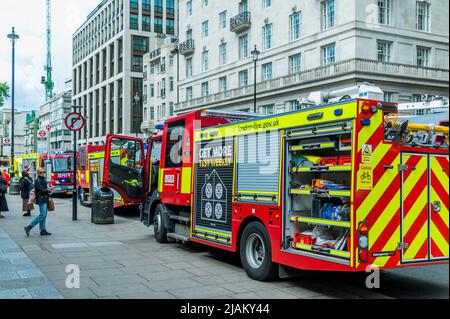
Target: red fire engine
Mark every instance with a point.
(59, 170)
(90, 173)
(338, 187)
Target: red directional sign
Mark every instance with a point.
(48, 127)
(75, 121)
(42, 133)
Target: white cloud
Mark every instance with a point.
(29, 19)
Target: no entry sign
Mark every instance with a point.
(75, 121)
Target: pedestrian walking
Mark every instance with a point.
(42, 197)
(3, 191)
(26, 185)
(6, 176)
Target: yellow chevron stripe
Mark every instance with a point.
(415, 211)
(367, 131)
(388, 213)
(378, 190)
(444, 211)
(391, 245)
(414, 176)
(439, 240)
(441, 176)
(418, 241)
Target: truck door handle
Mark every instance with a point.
(437, 206)
(388, 167)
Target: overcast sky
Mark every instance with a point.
(29, 19)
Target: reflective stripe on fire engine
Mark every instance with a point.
(277, 122)
(439, 231)
(186, 175)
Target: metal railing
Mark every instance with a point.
(155, 54)
(240, 22)
(186, 47)
(359, 67)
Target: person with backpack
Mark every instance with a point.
(3, 191)
(26, 185)
(42, 198)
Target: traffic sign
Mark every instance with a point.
(6, 141)
(42, 133)
(75, 121)
(48, 127)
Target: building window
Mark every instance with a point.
(205, 89)
(158, 25)
(171, 109)
(134, 4)
(384, 51)
(267, 109)
(267, 3)
(188, 67)
(243, 6)
(205, 29)
(388, 96)
(189, 93)
(328, 14)
(170, 26)
(243, 78)
(423, 57)
(189, 8)
(152, 90)
(136, 63)
(294, 105)
(267, 37)
(422, 16)
(417, 98)
(134, 21)
(294, 25)
(171, 84)
(243, 46)
(140, 44)
(170, 7)
(146, 23)
(205, 3)
(267, 71)
(205, 61)
(223, 20)
(223, 54)
(146, 5)
(295, 63)
(223, 84)
(189, 34)
(158, 6)
(329, 54)
(384, 12)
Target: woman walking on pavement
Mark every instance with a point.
(42, 197)
(26, 184)
(3, 191)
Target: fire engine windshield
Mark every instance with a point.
(62, 165)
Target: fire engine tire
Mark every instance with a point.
(81, 196)
(159, 224)
(256, 253)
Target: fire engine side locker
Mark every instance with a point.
(424, 206)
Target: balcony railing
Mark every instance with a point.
(241, 22)
(361, 68)
(155, 54)
(186, 47)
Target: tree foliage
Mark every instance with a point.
(4, 93)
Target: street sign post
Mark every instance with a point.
(75, 122)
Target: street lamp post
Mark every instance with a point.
(255, 53)
(137, 99)
(13, 37)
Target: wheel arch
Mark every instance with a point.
(244, 224)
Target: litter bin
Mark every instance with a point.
(14, 187)
(102, 211)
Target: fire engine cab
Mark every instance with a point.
(336, 187)
(59, 171)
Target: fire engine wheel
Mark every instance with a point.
(159, 225)
(256, 253)
(81, 196)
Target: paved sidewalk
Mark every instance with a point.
(124, 261)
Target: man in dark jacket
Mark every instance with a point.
(42, 196)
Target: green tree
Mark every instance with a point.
(4, 93)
